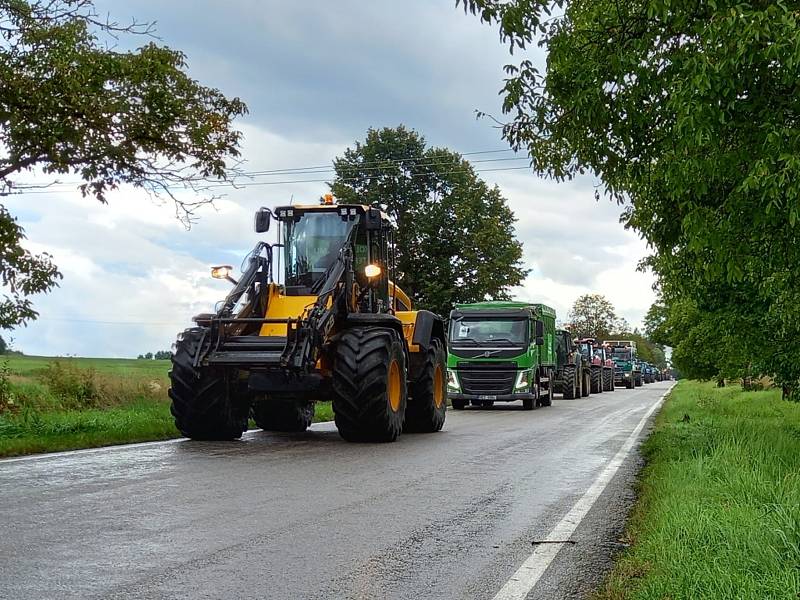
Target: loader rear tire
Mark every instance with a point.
(427, 396)
(369, 385)
(568, 387)
(274, 415)
(596, 380)
(203, 404)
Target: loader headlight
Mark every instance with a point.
(223, 272)
(452, 381)
(372, 271)
(523, 380)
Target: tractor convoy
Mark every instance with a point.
(316, 315)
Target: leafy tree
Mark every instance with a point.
(592, 315)
(688, 112)
(72, 103)
(162, 355)
(3, 346)
(455, 238)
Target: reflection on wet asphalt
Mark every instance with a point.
(447, 515)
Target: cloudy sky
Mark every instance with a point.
(315, 76)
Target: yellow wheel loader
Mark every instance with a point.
(314, 316)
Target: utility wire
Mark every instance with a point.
(299, 181)
(367, 165)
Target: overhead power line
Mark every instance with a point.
(375, 165)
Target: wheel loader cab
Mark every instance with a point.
(314, 238)
(314, 317)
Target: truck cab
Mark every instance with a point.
(501, 352)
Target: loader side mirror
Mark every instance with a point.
(263, 219)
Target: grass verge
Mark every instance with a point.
(718, 514)
(48, 405)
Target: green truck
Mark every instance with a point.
(501, 352)
(627, 368)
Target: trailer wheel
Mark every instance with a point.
(369, 385)
(568, 383)
(427, 396)
(458, 404)
(596, 380)
(274, 415)
(202, 403)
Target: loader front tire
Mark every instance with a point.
(369, 385)
(427, 395)
(203, 404)
(283, 416)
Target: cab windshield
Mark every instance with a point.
(622, 353)
(489, 331)
(311, 245)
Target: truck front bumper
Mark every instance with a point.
(493, 398)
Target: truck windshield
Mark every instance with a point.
(311, 245)
(489, 331)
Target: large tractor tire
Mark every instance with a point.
(631, 383)
(569, 389)
(546, 393)
(608, 380)
(638, 380)
(586, 382)
(597, 380)
(203, 404)
(458, 404)
(427, 395)
(369, 385)
(278, 415)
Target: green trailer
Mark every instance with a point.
(501, 352)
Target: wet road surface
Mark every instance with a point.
(447, 515)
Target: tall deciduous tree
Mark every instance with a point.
(592, 315)
(70, 103)
(688, 111)
(455, 234)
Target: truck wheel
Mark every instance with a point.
(609, 380)
(369, 385)
(427, 396)
(547, 398)
(631, 383)
(597, 380)
(568, 383)
(586, 385)
(203, 407)
(458, 404)
(275, 415)
(638, 381)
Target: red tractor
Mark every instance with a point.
(602, 367)
(602, 355)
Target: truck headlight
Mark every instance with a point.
(523, 380)
(452, 381)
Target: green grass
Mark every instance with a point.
(51, 404)
(718, 514)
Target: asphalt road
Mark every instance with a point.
(448, 515)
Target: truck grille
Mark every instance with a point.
(488, 379)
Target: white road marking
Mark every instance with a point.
(526, 577)
(117, 447)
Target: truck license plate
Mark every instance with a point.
(487, 397)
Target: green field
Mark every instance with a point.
(718, 514)
(49, 404)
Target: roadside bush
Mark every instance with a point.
(75, 387)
